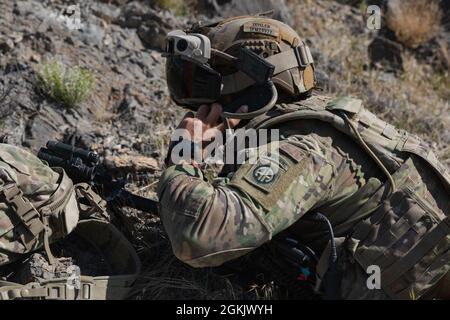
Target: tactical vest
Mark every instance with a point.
(403, 225)
(39, 205)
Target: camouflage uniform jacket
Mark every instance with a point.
(318, 168)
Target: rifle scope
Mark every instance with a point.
(67, 151)
(74, 167)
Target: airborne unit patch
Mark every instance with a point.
(266, 172)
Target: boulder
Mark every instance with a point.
(230, 8)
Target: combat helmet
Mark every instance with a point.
(252, 60)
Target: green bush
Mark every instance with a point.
(67, 85)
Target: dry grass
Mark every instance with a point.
(167, 278)
(414, 21)
(417, 100)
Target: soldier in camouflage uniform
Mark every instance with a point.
(39, 206)
(382, 190)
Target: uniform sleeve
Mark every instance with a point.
(209, 224)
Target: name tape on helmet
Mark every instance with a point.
(261, 27)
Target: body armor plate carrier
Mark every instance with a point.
(404, 226)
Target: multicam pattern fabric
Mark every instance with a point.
(47, 197)
(322, 167)
(40, 187)
(212, 223)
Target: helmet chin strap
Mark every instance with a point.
(251, 115)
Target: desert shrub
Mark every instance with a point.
(417, 100)
(414, 22)
(68, 85)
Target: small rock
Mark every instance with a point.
(107, 40)
(117, 147)
(15, 67)
(387, 77)
(105, 11)
(92, 34)
(153, 36)
(131, 163)
(116, 2)
(35, 58)
(16, 37)
(6, 45)
(132, 16)
(100, 132)
(37, 268)
(69, 40)
(132, 22)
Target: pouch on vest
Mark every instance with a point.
(37, 204)
(114, 250)
(408, 236)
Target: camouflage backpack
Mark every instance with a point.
(39, 205)
(404, 223)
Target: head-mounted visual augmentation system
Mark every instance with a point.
(193, 81)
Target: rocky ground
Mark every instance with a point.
(129, 116)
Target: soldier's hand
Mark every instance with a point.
(205, 125)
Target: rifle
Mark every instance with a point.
(83, 166)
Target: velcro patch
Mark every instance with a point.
(268, 179)
(263, 28)
(295, 153)
(265, 173)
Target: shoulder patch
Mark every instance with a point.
(261, 27)
(266, 172)
(267, 180)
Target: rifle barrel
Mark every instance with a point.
(82, 166)
(134, 201)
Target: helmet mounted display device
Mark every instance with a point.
(254, 66)
(198, 83)
(195, 46)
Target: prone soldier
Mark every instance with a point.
(353, 190)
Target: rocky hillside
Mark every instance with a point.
(128, 117)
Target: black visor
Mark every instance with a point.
(191, 84)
